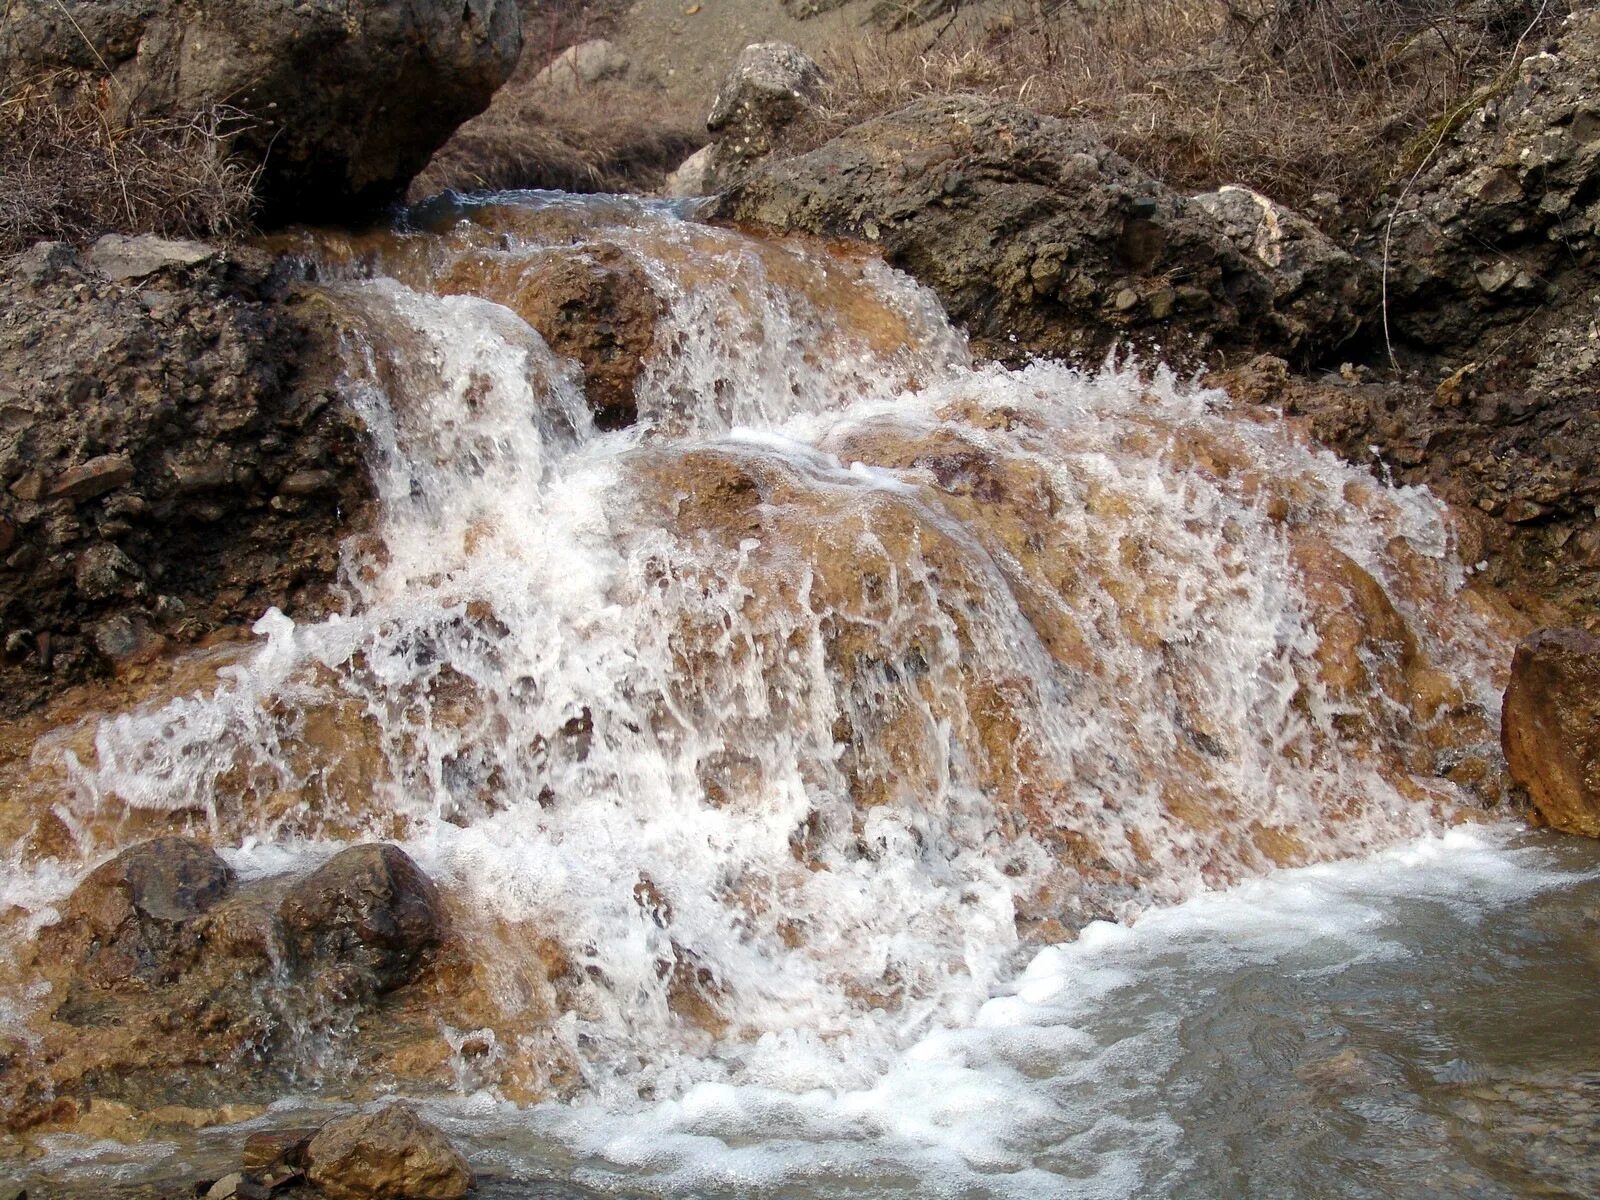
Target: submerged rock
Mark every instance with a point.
(595, 306)
(392, 1154)
(339, 105)
(369, 911)
(1550, 727)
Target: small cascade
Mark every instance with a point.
(758, 736)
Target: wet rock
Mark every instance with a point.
(126, 259)
(237, 1186)
(1550, 727)
(1518, 458)
(1324, 296)
(135, 918)
(583, 65)
(145, 429)
(1037, 237)
(273, 1147)
(364, 919)
(596, 306)
(771, 85)
(341, 104)
(392, 1154)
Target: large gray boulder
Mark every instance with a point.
(1036, 237)
(340, 101)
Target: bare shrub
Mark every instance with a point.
(1292, 97)
(69, 171)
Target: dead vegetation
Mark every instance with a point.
(70, 171)
(1319, 103)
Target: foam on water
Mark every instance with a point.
(1073, 1080)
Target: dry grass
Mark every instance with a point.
(1292, 97)
(69, 172)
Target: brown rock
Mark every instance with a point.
(205, 379)
(596, 307)
(1550, 727)
(93, 478)
(133, 918)
(369, 913)
(270, 1147)
(392, 1154)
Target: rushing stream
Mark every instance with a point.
(868, 773)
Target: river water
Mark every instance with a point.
(871, 773)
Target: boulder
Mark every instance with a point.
(339, 104)
(155, 446)
(583, 65)
(771, 85)
(1036, 237)
(364, 919)
(134, 918)
(1323, 295)
(392, 1154)
(691, 177)
(1550, 727)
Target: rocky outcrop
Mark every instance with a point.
(770, 87)
(339, 104)
(1503, 219)
(392, 1154)
(1550, 727)
(174, 457)
(1037, 238)
(1521, 464)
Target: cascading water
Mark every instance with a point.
(759, 745)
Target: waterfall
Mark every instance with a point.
(771, 734)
